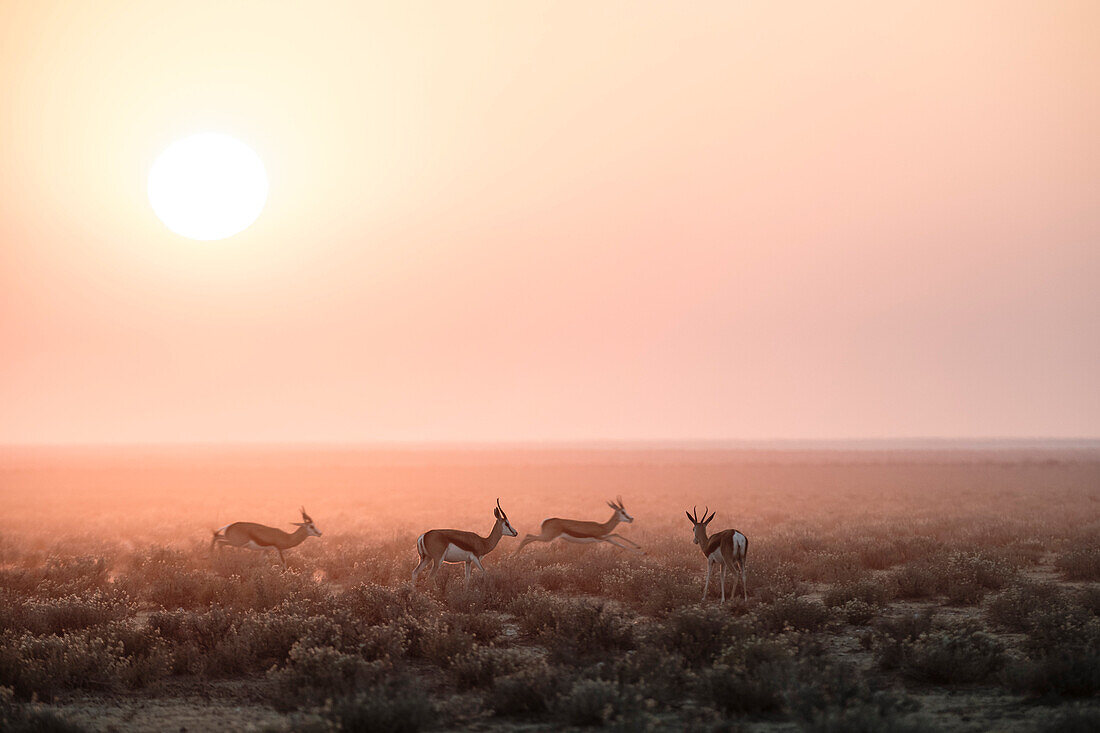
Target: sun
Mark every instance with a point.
(208, 186)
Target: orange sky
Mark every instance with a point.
(525, 221)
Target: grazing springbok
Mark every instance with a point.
(575, 530)
(454, 546)
(261, 537)
(727, 548)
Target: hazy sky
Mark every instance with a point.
(556, 221)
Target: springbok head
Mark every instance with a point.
(307, 522)
(700, 525)
(505, 526)
(620, 512)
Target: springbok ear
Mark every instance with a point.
(496, 513)
(688, 515)
(707, 520)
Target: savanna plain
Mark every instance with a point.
(888, 590)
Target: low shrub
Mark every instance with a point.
(964, 577)
(697, 633)
(435, 639)
(749, 677)
(837, 698)
(58, 576)
(107, 657)
(961, 654)
(647, 588)
(792, 613)
(17, 718)
(770, 581)
(1072, 720)
(316, 673)
(64, 613)
(529, 691)
(1080, 564)
(574, 630)
(399, 706)
(1066, 672)
(374, 604)
(871, 592)
(592, 702)
(482, 665)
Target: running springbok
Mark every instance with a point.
(254, 536)
(727, 548)
(454, 546)
(575, 530)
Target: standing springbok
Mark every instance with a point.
(454, 546)
(261, 537)
(727, 548)
(575, 530)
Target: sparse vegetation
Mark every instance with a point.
(850, 620)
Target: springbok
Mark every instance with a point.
(727, 548)
(454, 546)
(575, 530)
(261, 537)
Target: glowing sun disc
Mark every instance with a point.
(207, 186)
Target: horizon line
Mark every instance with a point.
(913, 443)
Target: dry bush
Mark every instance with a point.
(574, 630)
(959, 654)
(315, 673)
(108, 657)
(396, 706)
(1080, 564)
